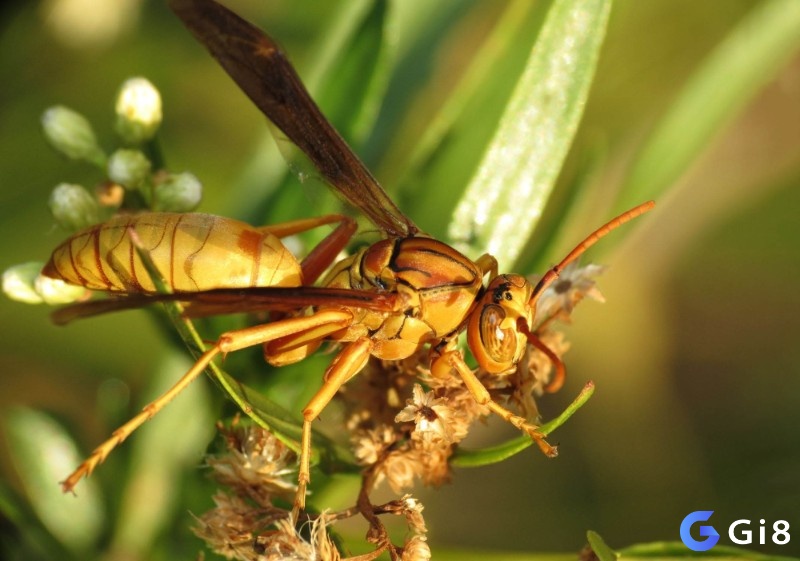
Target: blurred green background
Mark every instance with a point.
(695, 353)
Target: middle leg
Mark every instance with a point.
(349, 362)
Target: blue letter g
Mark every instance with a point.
(711, 535)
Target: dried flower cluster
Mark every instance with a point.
(245, 524)
(248, 524)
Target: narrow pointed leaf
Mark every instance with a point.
(507, 195)
(495, 454)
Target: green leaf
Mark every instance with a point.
(43, 453)
(356, 82)
(603, 552)
(482, 74)
(416, 33)
(159, 459)
(762, 43)
(434, 172)
(506, 197)
(671, 550)
(494, 454)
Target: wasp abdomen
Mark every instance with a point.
(191, 252)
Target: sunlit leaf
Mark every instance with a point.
(508, 193)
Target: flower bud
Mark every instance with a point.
(19, 282)
(138, 110)
(128, 167)
(70, 133)
(73, 207)
(56, 291)
(178, 192)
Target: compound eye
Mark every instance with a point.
(498, 342)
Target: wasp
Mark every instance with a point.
(387, 300)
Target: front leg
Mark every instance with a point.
(454, 359)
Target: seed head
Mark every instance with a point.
(256, 464)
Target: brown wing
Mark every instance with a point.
(233, 301)
(262, 71)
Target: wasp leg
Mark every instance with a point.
(349, 362)
(488, 264)
(323, 323)
(456, 360)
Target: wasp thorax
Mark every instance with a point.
(492, 332)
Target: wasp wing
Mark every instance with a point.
(259, 67)
(232, 301)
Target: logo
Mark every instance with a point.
(710, 534)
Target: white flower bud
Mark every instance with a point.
(56, 291)
(179, 192)
(19, 282)
(138, 110)
(70, 133)
(128, 167)
(73, 207)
